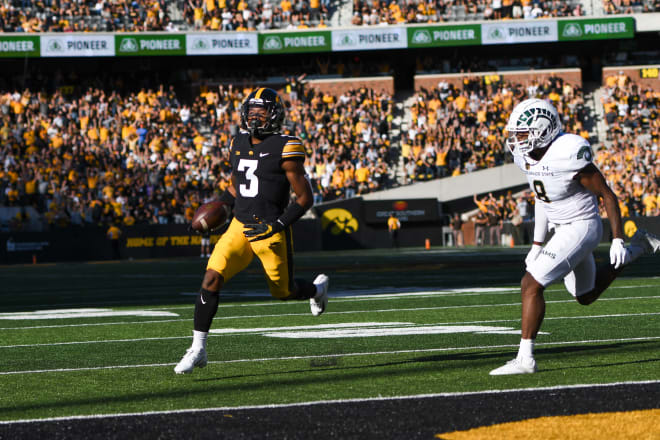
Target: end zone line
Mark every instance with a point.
(336, 401)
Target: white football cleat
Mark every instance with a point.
(516, 366)
(193, 358)
(645, 240)
(320, 301)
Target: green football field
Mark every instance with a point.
(103, 338)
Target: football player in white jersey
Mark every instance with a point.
(567, 185)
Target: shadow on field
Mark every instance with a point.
(335, 373)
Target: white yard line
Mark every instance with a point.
(618, 315)
(339, 355)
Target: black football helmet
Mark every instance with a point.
(268, 99)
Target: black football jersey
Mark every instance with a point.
(262, 188)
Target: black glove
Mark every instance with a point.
(260, 230)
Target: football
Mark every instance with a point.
(210, 216)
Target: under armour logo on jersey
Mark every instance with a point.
(546, 168)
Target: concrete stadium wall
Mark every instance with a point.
(635, 74)
(338, 86)
(457, 187)
(572, 76)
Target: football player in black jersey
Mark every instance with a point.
(266, 167)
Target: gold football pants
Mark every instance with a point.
(233, 253)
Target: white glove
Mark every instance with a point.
(618, 254)
(533, 254)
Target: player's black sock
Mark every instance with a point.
(306, 289)
(205, 308)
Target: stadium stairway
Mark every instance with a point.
(599, 136)
(402, 119)
(342, 14)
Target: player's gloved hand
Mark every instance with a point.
(533, 254)
(260, 230)
(618, 253)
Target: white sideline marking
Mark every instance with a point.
(368, 329)
(374, 353)
(389, 293)
(490, 321)
(336, 401)
(80, 313)
(308, 327)
(103, 341)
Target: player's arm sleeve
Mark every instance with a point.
(540, 223)
(293, 149)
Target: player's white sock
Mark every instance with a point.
(526, 349)
(199, 340)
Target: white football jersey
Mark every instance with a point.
(552, 180)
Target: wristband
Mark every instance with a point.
(292, 213)
(227, 197)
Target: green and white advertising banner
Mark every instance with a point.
(150, 44)
(370, 38)
(293, 42)
(78, 45)
(20, 46)
(596, 29)
(325, 40)
(516, 32)
(222, 43)
(433, 36)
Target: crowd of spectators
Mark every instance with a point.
(630, 159)
(157, 15)
(493, 211)
(84, 16)
(630, 6)
(375, 12)
(348, 138)
(457, 130)
(257, 15)
(149, 157)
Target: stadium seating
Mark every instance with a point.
(630, 6)
(147, 158)
(256, 15)
(457, 130)
(630, 158)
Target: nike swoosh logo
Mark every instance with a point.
(263, 154)
(201, 297)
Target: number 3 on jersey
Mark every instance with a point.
(539, 189)
(252, 187)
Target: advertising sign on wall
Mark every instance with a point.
(294, 42)
(370, 39)
(515, 32)
(138, 44)
(78, 46)
(212, 43)
(20, 47)
(596, 29)
(433, 36)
